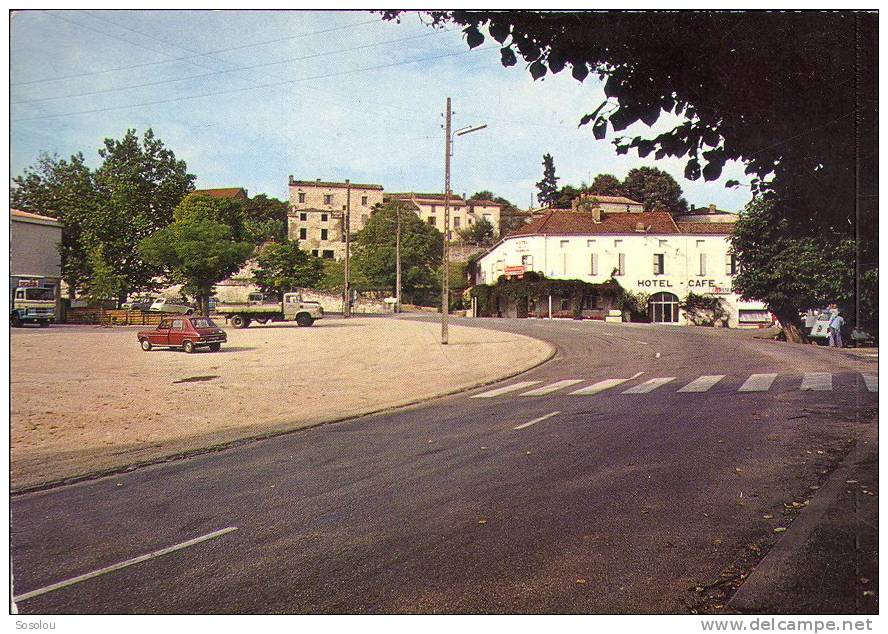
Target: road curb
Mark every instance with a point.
(762, 585)
(222, 446)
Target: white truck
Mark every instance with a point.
(264, 309)
(32, 305)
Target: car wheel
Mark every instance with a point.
(146, 345)
(304, 319)
(188, 347)
(239, 321)
(215, 347)
(16, 322)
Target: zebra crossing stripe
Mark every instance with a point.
(817, 382)
(872, 381)
(505, 390)
(548, 389)
(595, 388)
(649, 386)
(758, 383)
(703, 384)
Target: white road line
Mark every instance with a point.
(595, 388)
(758, 383)
(123, 564)
(703, 384)
(505, 390)
(535, 420)
(548, 389)
(872, 381)
(817, 382)
(649, 386)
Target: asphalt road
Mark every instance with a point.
(616, 503)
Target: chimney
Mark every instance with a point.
(596, 214)
(574, 204)
(711, 208)
(639, 226)
(291, 179)
(318, 180)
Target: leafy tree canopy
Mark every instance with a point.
(421, 247)
(481, 233)
(607, 185)
(283, 267)
(265, 218)
(548, 186)
(653, 187)
(196, 250)
(226, 211)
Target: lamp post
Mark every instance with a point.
(445, 273)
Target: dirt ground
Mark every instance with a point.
(87, 399)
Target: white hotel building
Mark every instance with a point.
(649, 252)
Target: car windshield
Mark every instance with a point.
(39, 294)
(203, 322)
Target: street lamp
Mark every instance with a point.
(445, 274)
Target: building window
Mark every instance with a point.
(700, 244)
(432, 208)
(344, 207)
(364, 200)
(617, 244)
(565, 303)
(593, 264)
(731, 264)
(303, 216)
(456, 222)
(702, 264)
(323, 217)
(314, 252)
(527, 261)
(328, 199)
(324, 233)
(621, 264)
(303, 233)
(662, 244)
(327, 254)
(590, 244)
(302, 197)
(659, 263)
(565, 244)
(431, 220)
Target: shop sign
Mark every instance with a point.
(29, 283)
(701, 283)
(515, 270)
(655, 283)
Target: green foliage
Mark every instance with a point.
(225, 211)
(704, 310)
(656, 189)
(509, 220)
(265, 219)
(565, 196)
(635, 303)
(103, 283)
(283, 267)
(548, 186)
(534, 286)
(196, 250)
(787, 271)
(139, 184)
(481, 233)
(421, 246)
(65, 190)
(607, 185)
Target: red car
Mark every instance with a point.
(183, 332)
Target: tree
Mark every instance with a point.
(103, 283)
(480, 233)
(283, 267)
(511, 217)
(565, 196)
(606, 185)
(421, 246)
(196, 251)
(549, 185)
(793, 96)
(65, 190)
(787, 272)
(225, 211)
(265, 218)
(138, 185)
(656, 189)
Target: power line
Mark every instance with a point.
(222, 72)
(179, 59)
(255, 87)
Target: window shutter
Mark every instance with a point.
(594, 269)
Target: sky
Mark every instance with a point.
(248, 98)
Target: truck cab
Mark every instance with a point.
(32, 305)
(304, 312)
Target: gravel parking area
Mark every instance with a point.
(87, 399)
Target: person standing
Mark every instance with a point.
(835, 330)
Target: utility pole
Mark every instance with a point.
(398, 261)
(346, 291)
(445, 268)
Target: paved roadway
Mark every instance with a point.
(513, 502)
